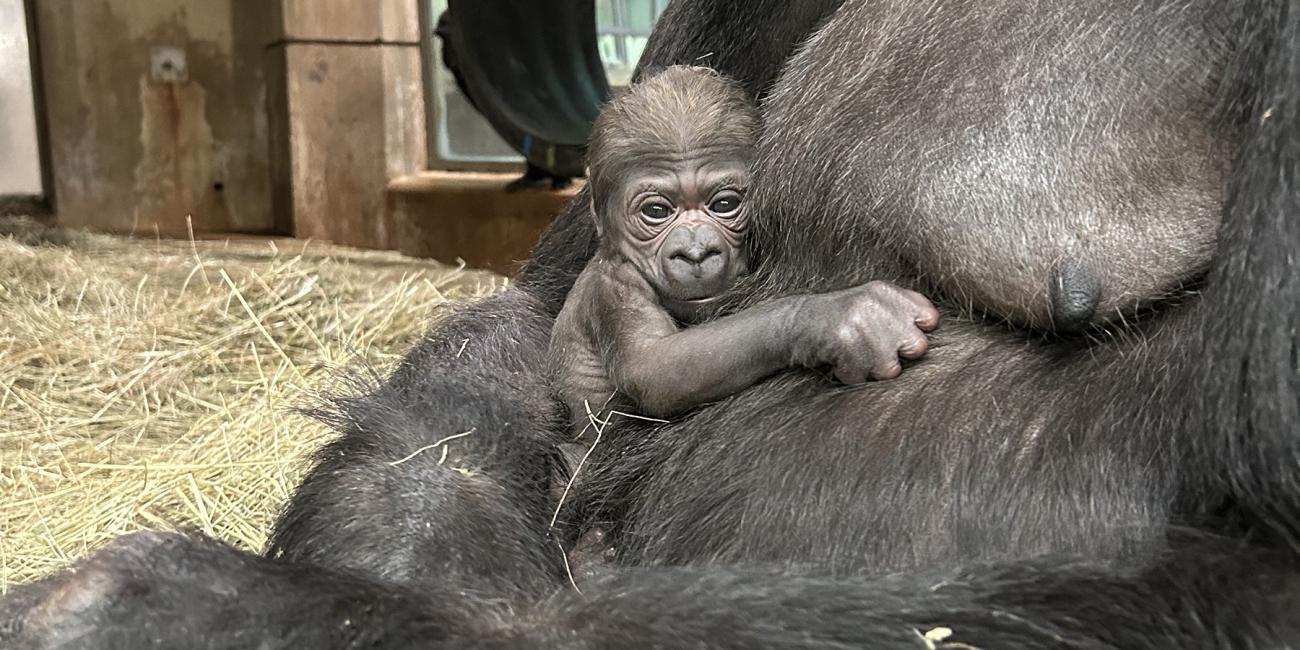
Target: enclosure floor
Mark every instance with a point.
(150, 383)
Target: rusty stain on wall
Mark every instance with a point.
(176, 164)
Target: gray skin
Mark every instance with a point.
(592, 557)
(675, 245)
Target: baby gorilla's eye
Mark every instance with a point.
(656, 211)
(725, 205)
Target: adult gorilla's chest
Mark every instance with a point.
(1008, 154)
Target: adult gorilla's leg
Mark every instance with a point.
(150, 590)
(993, 448)
(1216, 595)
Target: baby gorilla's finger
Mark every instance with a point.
(925, 316)
(928, 319)
(884, 359)
(852, 368)
(850, 375)
(913, 346)
(886, 369)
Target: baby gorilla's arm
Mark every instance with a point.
(859, 332)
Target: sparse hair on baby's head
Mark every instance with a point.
(679, 109)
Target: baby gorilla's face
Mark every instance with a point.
(684, 223)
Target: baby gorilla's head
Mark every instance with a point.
(669, 167)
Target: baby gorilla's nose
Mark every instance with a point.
(1076, 291)
(697, 253)
(698, 262)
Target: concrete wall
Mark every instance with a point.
(347, 111)
(292, 117)
(468, 216)
(132, 153)
(20, 164)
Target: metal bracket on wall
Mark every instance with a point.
(168, 65)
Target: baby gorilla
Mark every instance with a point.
(669, 168)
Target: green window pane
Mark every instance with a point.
(604, 14)
(640, 15)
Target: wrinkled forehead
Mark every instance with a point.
(676, 146)
(698, 154)
(669, 173)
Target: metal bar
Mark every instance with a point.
(38, 97)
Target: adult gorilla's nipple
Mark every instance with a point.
(1076, 292)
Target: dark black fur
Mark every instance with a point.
(357, 502)
(994, 450)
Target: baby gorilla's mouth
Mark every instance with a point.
(689, 310)
(700, 292)
(693, 298)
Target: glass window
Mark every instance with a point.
(460, 138)
(622, 27)
(20, 167)
(458, 133)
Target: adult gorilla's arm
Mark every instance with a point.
(1243, 418)
(749, 41)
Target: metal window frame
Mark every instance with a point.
(621, 25)
(432, 72)
(434, 104)
(42, 204)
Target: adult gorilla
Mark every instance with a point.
(1054, 166)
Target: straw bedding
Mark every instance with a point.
(150, 384)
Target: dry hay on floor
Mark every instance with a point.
(149, 384)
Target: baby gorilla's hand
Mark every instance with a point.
(861, 332)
